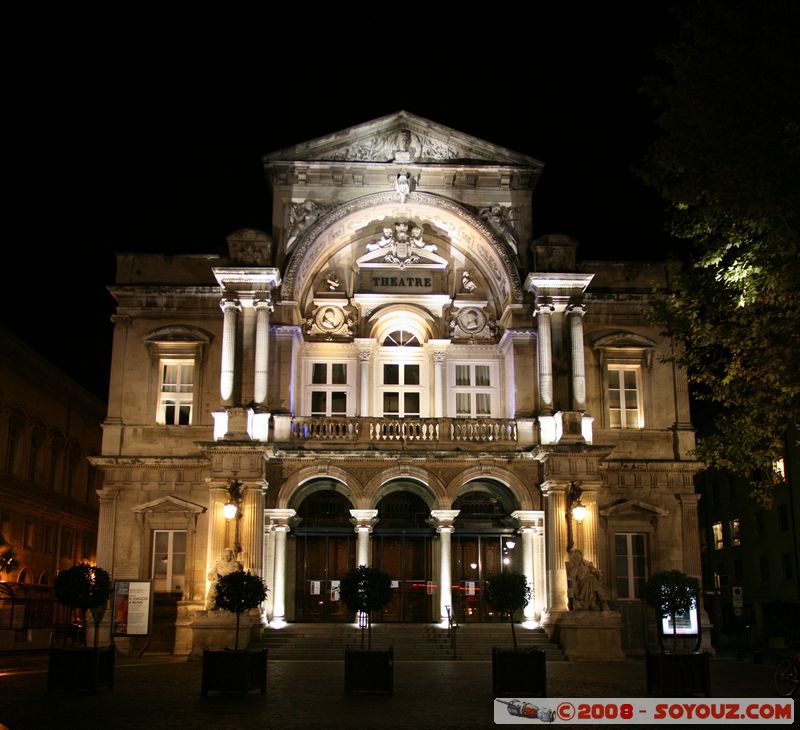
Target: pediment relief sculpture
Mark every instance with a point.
(301, 217)
(396, 145)
(500, 219)
(401, 247)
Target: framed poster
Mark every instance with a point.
(132, 608)
(686, 624)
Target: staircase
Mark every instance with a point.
(410, 641)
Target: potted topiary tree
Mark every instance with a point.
(82, 588)
(517, 671)
(236, 670)
(365, 590)
(674, 594)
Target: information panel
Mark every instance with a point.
(132, 604)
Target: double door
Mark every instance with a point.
(476, 558)
(407, 559)
(322, 561)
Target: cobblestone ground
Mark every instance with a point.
(165, 693)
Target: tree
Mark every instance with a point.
(238, 592)
(84, 587)
(8, 560)
(507, 592)
(726, 165)
(365, 590)
(671, 593)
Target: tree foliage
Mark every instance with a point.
(238, 592)
(671, 592)
(82, 586)
(726, 164)
(507, 592)
(365, 590)
(8, 559)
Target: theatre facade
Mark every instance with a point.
(396, 375)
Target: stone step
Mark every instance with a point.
(410, 641)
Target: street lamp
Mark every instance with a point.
(232, 509)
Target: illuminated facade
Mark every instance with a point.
(395, 375)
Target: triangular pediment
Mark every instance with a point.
(170, 503)
(401, 138)
(628, 507)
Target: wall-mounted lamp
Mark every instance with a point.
(510, 544)
(232, 509)
(575, 510)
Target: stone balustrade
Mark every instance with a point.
(439, 433)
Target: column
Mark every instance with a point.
(280, 525)
(263, 306)
(545, 356)
(252, 526)
(444, 529)
(439, 348)
(527, 529)
(690, 535)
(217, 497)
(556, 542)
(364, 520)
(540, 598)
(230, 309)
(364, 345)
(575, 314)
(105, 528)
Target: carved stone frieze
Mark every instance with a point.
(397, 145)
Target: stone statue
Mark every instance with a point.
(402, 185)
(301, 217)
(333, 281)
(467, 284)
(584, 586)
(226, 565)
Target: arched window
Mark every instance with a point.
(401, 338)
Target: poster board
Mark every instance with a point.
(132, 607)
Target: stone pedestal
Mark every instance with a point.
(591, 636)
(217, 630)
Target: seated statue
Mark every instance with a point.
(224, 566)
(584, 586)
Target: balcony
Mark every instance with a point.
(454, 434)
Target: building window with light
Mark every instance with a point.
(630, 562)
(177, 392)
(624, 399)
(472, 391)
(736, 539)
(719, 540)
(329, 389)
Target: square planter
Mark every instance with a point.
(678, 675)
(230, 670)
(520, 673)
(80, 669)
(369, 671)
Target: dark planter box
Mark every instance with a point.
(519, 673)
(369, 671)
(80, 669)
(232, 670)
(678, 675)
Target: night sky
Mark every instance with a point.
(145, 133)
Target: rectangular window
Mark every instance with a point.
(169, 561)
(719, 540)
(783, 517)
(624, 402)
(737, 571)
(49, 539)
(630, 564)
(29, 537)
(177, 386)
(735, 537)
(405, 402)
(473, 390)
(763, 565)
(786, 566)
(327, 395)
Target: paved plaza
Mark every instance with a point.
(164, 692)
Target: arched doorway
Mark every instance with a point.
(483, 545)
(401, 545)
(325, 551)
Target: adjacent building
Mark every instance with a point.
(397, 375)
(49, 425)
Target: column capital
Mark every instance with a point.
(279, 518)
(364, 519)
(576, 308)
(263, 300)
(529, 519)
(444, 518)
(543, 308)
(228, 303)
